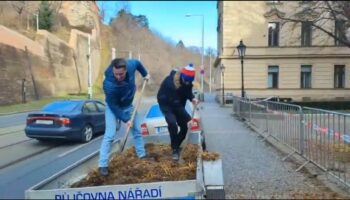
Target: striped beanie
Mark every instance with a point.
(188, 73)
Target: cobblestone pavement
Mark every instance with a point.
(253, 168)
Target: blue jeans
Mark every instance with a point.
(110, 133)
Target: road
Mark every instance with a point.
(13, 120)
(16, 178)
(25, 162)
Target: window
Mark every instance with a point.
(89, 107)
(62, 106)
(339, 32)
(273, 77)
(305, 77)
(101, 107)
(306, 34)
(339, 76)
(273, 34)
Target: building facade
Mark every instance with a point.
(290, 60)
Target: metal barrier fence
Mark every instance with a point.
(322, 137)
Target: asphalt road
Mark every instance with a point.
(16, 178)
(13, 120)
(53, 157)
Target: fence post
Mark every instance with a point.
(234, 105)
(267, 118)
(250, 110)
(301, 142)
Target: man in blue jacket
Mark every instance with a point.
(173, 93)
(119, 88)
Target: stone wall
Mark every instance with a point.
(49, 65)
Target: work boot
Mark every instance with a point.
(176, 155)
(103, 171)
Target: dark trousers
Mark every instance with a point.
(175, 117)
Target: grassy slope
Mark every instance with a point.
(33, 105)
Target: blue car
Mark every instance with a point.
(67, 119)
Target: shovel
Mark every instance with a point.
(185, 141)
(132, 117)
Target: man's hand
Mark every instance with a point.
(129, 124)
(147, 77)
(189, 124)
(195, 101)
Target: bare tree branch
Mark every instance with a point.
(321, 13)
(19, 6)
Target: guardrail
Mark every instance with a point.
(320, 136)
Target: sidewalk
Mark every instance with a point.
(253, 168)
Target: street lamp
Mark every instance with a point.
(241, 52)
(222, 67)
(89, 68)
(202, 60)
(37, 20)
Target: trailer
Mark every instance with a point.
(209, 182)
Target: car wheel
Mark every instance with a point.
(87, 133)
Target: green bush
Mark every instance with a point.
(45, 16)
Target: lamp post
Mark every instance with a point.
(89, 69)
(37, 20)
(210, 72)
(202, 59)
(241, 52)
(222, 67)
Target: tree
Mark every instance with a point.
(121, 7)
(103, 9)
(141, 20)
(323, 12)
(180, 45)
(195, 49)
(125, 5)
(45, 16)
(19, 6)
(210, 51)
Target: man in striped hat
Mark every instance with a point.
(173, 93)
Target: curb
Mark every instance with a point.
(12, 113)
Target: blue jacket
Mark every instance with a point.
(122, 94)
(170, 96)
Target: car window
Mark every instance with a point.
(89, 107)
(154, 112)
(100, 107)
(61, 106)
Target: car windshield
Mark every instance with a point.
(61, 106)
(154, 112)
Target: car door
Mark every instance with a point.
(90, 111)
(101, 115)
